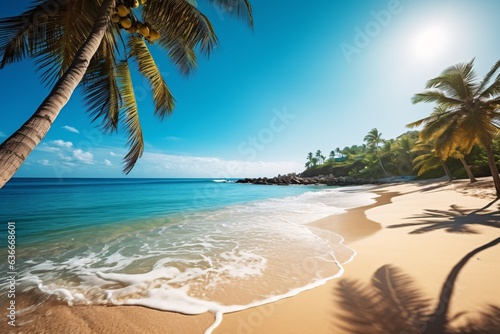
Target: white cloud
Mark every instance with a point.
(84, 157)
(71, 129)
(44, 162)
(62, 143)
(46, 148)
(108, 163)
(2, 134)
(65, 158)
(163, 165)
(113, 154)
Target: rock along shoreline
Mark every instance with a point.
(295, 179)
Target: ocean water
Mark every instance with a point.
(183, 245)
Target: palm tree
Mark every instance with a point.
(373, 139)
(458, 153)
(82, 42)
(471, 111)
(319, 156)
(428, 159)
(402, 152)
(331, 157)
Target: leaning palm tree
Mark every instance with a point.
(471, 111)
(374, 139)
(428, 159)
(426, 135)
(93, 42)
(460, 155)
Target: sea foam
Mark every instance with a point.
(218, 261)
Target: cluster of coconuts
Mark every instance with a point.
(125, 18)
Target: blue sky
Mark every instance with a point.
(308, 77)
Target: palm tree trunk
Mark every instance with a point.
(493, 167)
(467, 169)
(447, 170)
(18, 146)
(382, 165)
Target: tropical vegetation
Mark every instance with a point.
(94, 43)
(460, 138)
(408, 156)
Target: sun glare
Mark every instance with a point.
(430, 42)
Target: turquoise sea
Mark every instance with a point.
(184, 245)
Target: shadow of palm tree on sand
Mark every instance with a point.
(454, 220)
(392, 303)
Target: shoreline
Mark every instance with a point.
(367, 230)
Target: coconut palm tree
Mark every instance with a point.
(428, 159)
(373, 140)
(471, 111)
(401, 151)
(93, 42)
(458, 153)
(331, 157)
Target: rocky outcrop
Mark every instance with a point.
(294, 179)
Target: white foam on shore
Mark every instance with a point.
(187, 264)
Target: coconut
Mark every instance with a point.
(143, 29)
(132, 29)
(126, 22)
(115, 18)
(153, 34)
(122, 10)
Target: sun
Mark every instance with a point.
(430, 42)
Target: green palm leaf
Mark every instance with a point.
(100, 88)
(493, 90)
(241, 8)
(434, 95)
(132, 123)
(182, 28)
(162, 96)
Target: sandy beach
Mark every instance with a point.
(407, 243)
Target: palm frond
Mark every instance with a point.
(162, 96)
(434, 95)
(180, 24)
(493, 90)
(132, 123)
(51, 36)
(21, 35)
(100, 88)
(241, 8)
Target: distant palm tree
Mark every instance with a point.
(457, 153)
(319, 156)
(309, 162)
(339, 153)
(402, 153)
(374, 139)
(331, 157)
(428, 159)
(471, 112)
(93, 42)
